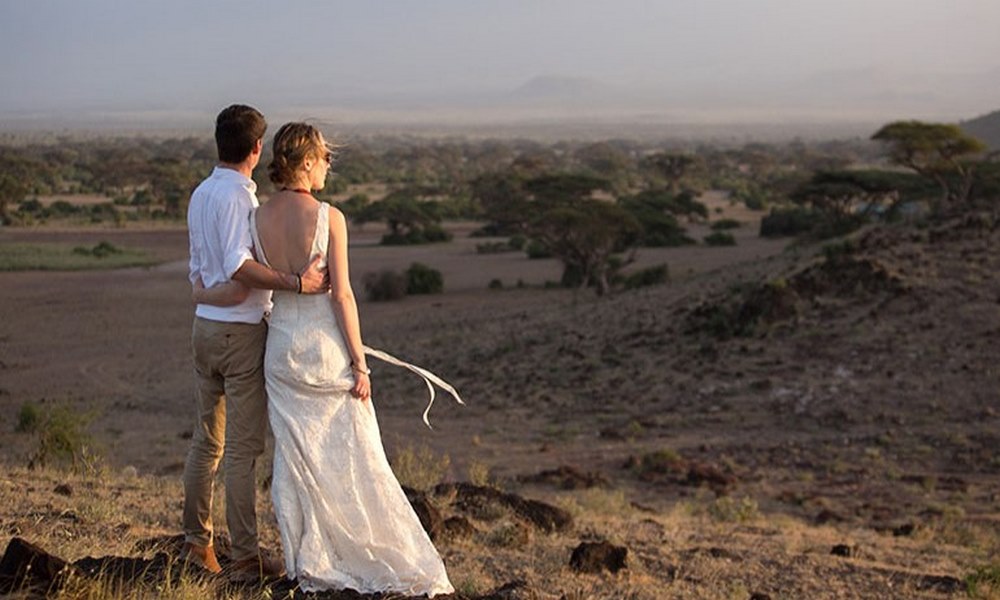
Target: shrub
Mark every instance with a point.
(720, 238)
(495, 284)
(425, 235)
(723, 224)
(517, 242)
(655, 275)
(32, 206)
(984, 582)
(62, 208)
(788, 222)
(28, 418)
(421, 279)
(536, 249)
(730, 510)
(61, 434)
(384, 285)
(420, 469)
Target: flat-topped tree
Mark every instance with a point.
(939, 151)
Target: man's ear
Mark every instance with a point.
(258, 146)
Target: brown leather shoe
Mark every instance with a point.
(255, 568)
(201, 556)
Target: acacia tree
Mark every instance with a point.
(938, 151)
(584, 236)
(410, 220)
(672, 167)
(17, 178)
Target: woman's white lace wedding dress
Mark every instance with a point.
(344, 520)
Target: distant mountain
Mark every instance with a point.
(986, 128)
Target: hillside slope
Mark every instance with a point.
(986, 128)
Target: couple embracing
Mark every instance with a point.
(343, 518)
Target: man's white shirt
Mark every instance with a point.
(220, 241)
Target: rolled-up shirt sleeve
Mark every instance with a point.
(234, 233)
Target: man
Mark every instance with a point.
(228, 346)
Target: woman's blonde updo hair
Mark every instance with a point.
(292, 145)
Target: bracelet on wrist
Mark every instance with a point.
(298, 283)
(365, 370)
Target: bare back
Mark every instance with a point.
(286, 226)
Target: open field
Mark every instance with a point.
(868, 419)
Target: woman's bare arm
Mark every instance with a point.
(345, 306)
(230, 293)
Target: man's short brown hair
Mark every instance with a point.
(237, 129)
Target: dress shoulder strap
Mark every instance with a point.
(321, 241)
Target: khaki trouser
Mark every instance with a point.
(232, 416)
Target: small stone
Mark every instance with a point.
(64, 489)
(594, 557)
(843, 550)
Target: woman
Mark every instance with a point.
(344, 520)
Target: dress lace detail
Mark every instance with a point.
(344, 520)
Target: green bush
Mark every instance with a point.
(495, 284)
(63, 208)
(720, 238)
(61, 435)
(384, 285)
(421, 279)
(426, 235)
(782, 222)
(536, 249)
(101, 250)
(28, 418)
(656, 275)
(517, 241)
(984, 581)
(731, 510)
(419, 468)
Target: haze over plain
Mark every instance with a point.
(112, 62)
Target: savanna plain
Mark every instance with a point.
(774, 416)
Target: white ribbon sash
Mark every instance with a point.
(428, 377)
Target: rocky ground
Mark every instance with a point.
(822, 423)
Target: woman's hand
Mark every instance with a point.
(362, 389)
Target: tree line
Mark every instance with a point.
(589, 204)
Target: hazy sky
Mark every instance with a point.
(934, 57)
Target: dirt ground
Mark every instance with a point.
(863, 418)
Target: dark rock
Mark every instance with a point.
(611, 433)
(906, 529)
(457, 528)
(843, 550)
(430, 517)
(828, 516)
(64, 489)
(945, 584)
(479, 500)
(567, 478)
(760, 596)
(705, 474)
(514, 590)
(125, 569)
(594, 557)
(26, 566)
